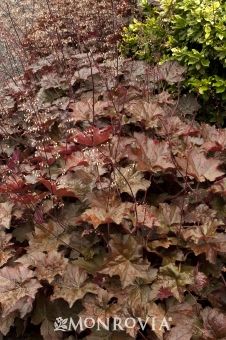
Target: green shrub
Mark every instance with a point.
(191, 32)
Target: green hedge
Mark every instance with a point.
(191, 32)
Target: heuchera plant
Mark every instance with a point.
(112, 201)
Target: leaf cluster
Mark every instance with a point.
(112, 201)
(191, 32)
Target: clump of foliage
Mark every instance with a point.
(112, 199)
(31, 29)
(112, 202)
(89, 24)
(191, 32)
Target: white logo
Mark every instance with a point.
(60, 324)
(116, 324)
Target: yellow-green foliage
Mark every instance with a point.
(192, 32)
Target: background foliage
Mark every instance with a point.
(191, 32)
